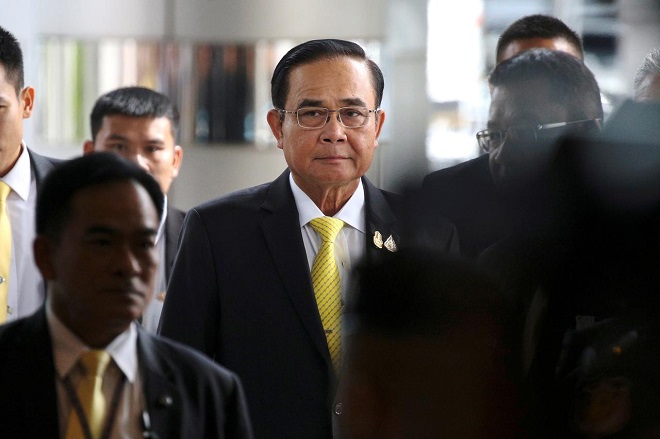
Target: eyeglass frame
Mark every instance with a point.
(327, 118)
(536, 128)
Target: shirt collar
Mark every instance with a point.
(20, 176)
(352, 213)
(161, 226)
(67, 347)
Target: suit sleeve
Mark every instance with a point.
(238, 419)
(191, 310)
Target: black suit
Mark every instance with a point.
(41, 165)
(241, 292)
(467, 196)
(173, 224)
(206, 401)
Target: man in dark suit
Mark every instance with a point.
(22, 290)
(465, 193)
(536, 96)
(98, 257)
(429, 358)
(241, 289)
(141, 125)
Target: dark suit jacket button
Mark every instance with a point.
(339, 407)
(165, 401)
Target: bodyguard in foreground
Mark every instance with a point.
(81, 366)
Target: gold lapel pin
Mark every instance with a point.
(390, 244)
(378, 239)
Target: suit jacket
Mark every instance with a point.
(205, 401)
(173, 225)
(467, 196)
(241, 292)
(151, 316)
(41, 165)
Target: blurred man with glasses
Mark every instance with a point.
(536, 97)
(241, 289)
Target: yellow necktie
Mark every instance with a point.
(5, 250)
(90, 395)
(327, 285)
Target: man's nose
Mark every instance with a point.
(509, 151)
(127, 262)
(334, 131)
(142, 161)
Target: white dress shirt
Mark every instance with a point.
(350, 244)
(26, 287)
(152, 312)
(67, 349)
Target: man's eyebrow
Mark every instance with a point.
(115, 136)
(100, 230)
(105, 230)
(347, 102)
(310, 103)
(353, 102)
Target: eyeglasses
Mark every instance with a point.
(491, 140)
(316, 117)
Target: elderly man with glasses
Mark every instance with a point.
(259, 281)
(536, 97)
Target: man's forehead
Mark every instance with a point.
(518, 46)
(527, 101)
(122, 125)
(343, 79)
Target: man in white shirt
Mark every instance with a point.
(22, 170)
(97, 220)
(141, 125)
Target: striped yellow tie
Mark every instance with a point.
(327, 285)
(90, 394)
(5, 250)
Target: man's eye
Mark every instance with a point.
(118, 147)
(353, 112)
(312, 112)
(148, 244)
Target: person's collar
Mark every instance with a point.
(161, 226)
(352, 213)
(20, 176)
(67, 347)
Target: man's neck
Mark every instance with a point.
(8, 159)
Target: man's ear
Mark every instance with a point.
(27, 98)
(275, 123)
(177, 159)
(43, 248)
(88, 147)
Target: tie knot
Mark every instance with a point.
(327, 227)
(95, 362)
(4, 191)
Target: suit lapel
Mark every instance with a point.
(173, 224)
(41, 166)
(281, 230)
(33, 360)
(379, 218)
(162, 400)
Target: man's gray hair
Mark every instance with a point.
(650, 67)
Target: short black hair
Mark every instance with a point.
(133, 102)
(537, 26)
(649, 67)
(61, 185)
(11, 58)
(571, 83)
(315, 50)
(419, 292)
